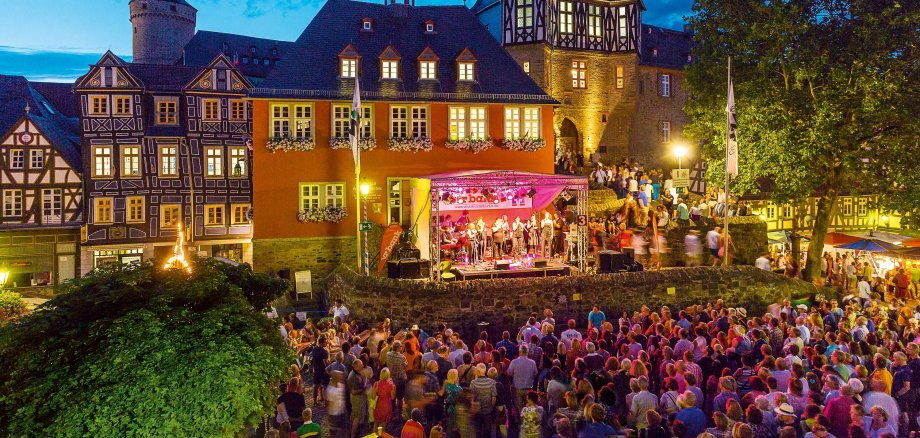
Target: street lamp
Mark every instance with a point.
(4, 275)
(365, 190)
(680, 151)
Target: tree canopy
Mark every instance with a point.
(138, 351)
(825, 94)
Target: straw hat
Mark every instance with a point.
(785, 409)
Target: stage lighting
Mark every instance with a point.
(531, 193)
(445, 196)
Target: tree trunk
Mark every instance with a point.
(826, 204)
(795, 240)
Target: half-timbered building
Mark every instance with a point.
(40, 185)
(164, 146)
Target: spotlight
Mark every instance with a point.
(531, 193)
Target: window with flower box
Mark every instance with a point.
(317, 195)
(522, 122)
(341, 121)
(408, 121)
(467, 123)
(294, 120)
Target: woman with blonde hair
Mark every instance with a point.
(450, 392)
(384, 390)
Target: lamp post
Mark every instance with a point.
(365, 190)
(680, 151)
(4, 275)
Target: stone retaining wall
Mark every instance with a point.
(506, 303)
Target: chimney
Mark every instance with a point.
(398, 9)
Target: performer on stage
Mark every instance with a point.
(472, 235)
(533, 234)
(483, 238)
(558, 232)
(546, 226)
(498, 239)
(517, 242)
(506, 226)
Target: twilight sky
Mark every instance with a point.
(55, 40)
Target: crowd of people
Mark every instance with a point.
(795, 371)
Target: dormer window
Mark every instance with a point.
(466, 66)
(389, 63)
(348, 62)
(252, 49)
(275, 51)
(654, 52)
(429, 26)
(367, 25)
(428, 65)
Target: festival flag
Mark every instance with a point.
(731, 146)
(354, 129)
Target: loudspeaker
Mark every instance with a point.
(630, 252)
(424, 268)
(503, 265)
(605, 261)
(393, 269)
(408, 268)
(539, 262)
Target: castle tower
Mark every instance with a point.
(162, 28)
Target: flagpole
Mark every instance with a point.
(356, 151)
(727, 257)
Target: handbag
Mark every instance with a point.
(372, 400)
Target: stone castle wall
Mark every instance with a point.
(320, 255)
(506, 303)
(645, 143)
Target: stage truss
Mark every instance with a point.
(577, 185)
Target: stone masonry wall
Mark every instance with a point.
(506, 303)
(320, 255)
(645, 143)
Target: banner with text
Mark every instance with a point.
(478, 201)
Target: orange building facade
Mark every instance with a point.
(284, 181)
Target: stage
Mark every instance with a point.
(488, 272)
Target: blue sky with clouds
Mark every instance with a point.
(55, 40)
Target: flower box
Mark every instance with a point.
(523, 144)
(328, 213)
(365, 143)
(473, 145)
(288, 143)
(409, 144)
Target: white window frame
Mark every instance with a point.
(389, 69)
(622, 25)
(291, 120)
(341, 121)
(579, 74)
(664, 81)
(17, 159)
(321, 194)
(52, 204)
(595, 26)
(524, 14)
(410, 121)
(168, 155)
(102, 161)
(467, 122)
(214, 162)
(664, 131)
(12, 203)
(466, 71)
(428, 70)
(348, 68)
(36, 159)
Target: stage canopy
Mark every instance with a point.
(488, 194)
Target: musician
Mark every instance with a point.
(546, 227)
(483, 238)
(533, 234)
(517, 243)
(506, 224)
(558, 232)
(498, 239)
(447, 236)
(472, 235)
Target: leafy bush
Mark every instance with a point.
(137, 351)
(11, 305)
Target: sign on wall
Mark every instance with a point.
(681, 177)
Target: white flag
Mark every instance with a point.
(355, 127)
(731, 146)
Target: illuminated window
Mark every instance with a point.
(408, 121)
(620, 77)
(102, 161)
(465, 71)
(316, 195)
(36, 158)
(130, 161)
(526, 66)
(341, 121)
(214, 161)
(522, 122)
(166, 111)
(122, 105)
(467, 123)
(240, 214)
(579, 74)
(281, 120)
(594, 21)
(169, 216)
(12, 203)
(389, 70)
(566, 17)
(298, 116)
(847, 206)
(524, 13)
(52, 205)
(99, 105)
(664, 85)
(664, 132)
(238, 165)
(135, 206)
(17, 159)
(348, 67)
(103, 210)
(214, 215)
(238, 110)
(303, 122)
(428, 70)
(210, 109)
(622, 25)
(169, 161)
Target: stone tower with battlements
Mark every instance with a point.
(161, 30)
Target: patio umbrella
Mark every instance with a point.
(912, 243)
(909, 253)
(834, 238)
(871, 245)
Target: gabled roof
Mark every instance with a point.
(311, 64)
(60, 95)
(158, 77)
(673, 47)
(206, 45)
(63, 131)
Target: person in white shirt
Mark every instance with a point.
(570, 335)
(339, 311)
(762, 262)
(712, 242)
(694, 248)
